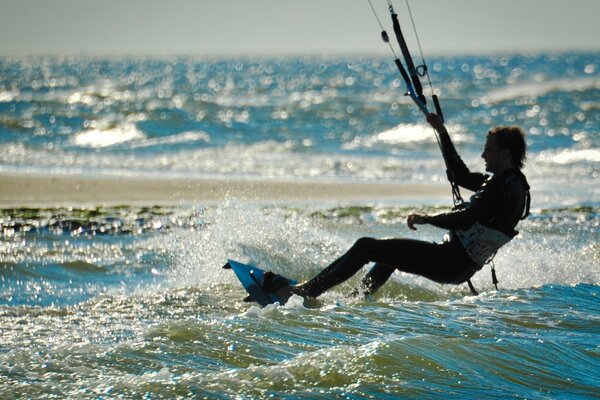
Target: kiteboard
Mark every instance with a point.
(263, 287)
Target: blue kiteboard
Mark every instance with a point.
(263, 287)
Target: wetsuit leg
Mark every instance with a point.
(444, 263)
(375, 278)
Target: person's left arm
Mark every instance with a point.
(480, 208)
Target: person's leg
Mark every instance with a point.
(374, 279)
(431, 260)
(338, 271)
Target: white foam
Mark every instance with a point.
(257, 312)
(273, 239)
(403, 134)
(295, 303)
(82, 97)
(108, 137)
(571, 156)
(8, 96)
(537, 89)
(536, 258)
(184, 137)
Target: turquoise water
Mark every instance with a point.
(295, 118)
(131, 301)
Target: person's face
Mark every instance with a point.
(495, 158)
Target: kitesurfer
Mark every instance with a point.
(477, 229)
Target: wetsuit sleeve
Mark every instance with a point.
(480, 208)
(457, 169)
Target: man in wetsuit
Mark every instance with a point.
(477, 228)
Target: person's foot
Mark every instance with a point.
(278, 285)
(284, 292)
(272, 282)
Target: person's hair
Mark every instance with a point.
(511, 138)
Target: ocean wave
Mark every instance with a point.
(285, 160)
(404, 134)
(288, 119)
(538, 89)
(106, 137)
(83, 267)
(179, 138)
(570, 156)
(7, 96)
(267, 159)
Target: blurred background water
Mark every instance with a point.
(294, 118)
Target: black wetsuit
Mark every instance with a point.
(499, 203)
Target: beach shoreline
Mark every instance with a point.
(29, 190)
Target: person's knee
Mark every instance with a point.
(365, 243)
(363, 249)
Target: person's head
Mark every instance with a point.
(504, 148)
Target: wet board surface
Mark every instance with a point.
(253, 280)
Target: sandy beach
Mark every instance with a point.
(66, 190)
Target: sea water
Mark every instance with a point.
(130, 301)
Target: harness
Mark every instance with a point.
(482, 242)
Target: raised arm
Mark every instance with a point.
(457, 169)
